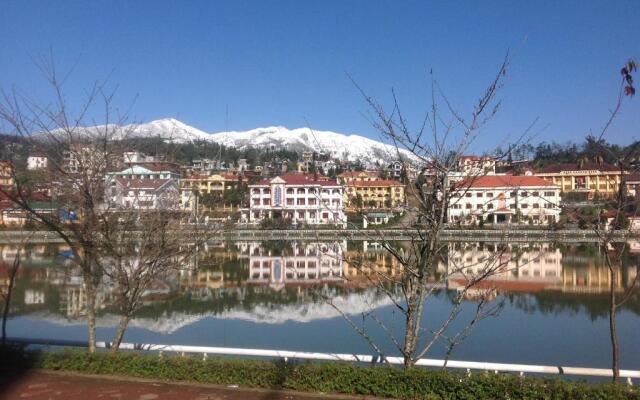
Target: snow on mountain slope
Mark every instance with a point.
(168, 128)
(337, 145)
(340, 146)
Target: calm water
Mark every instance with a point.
(269, 295)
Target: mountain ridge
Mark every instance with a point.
(341, 146)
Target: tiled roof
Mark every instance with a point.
(299, 179)
(632, 178)
(476, 158)
(493, 181)
(589, 166)
(153, 184)
(158, 166)
(354, 174)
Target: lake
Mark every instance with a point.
(273, 295)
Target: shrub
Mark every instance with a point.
(344, 378)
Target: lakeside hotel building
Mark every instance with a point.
(500, 198)
(301, 198)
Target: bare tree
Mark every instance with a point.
(613, 227)
(437, 148)
(142, 247)
(130, 243)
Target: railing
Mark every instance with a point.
(566, 235)
(371, 359)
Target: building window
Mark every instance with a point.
(478, 194)
(266, 202)
(536, 205)
(549, 194)
(467, 195)
(467, 206)
(289, 202)
(300, 202)
(289, 191)
(524, 206)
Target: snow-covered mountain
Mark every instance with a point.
(337, 145)
(168, 128)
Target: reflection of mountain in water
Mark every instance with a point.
(353, 303)
(275, 282)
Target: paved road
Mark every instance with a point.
(40, 385)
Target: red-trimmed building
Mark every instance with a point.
(143, 194)
(504, 199)
(300, 198)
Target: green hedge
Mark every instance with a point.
(344, 378)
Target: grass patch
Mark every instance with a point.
(343, 378)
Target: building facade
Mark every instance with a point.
(195, 184)
(6, 174)
(143, 194)
(350, 176)
(37, 162)
(147, 171)
(504, 199)
(374, 194)
(590, 179)
(300, 198)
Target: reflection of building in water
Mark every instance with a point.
(588, 273)
(370, 265)
(206, 268)
(305, 263)
(525, 268)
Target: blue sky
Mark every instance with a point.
(284, 62)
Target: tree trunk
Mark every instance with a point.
(7, 301)
(91, 313)
(410, 334)
(119, 335)
(615, 349)
(5, 313)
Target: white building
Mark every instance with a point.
(143, 194)
(477, 165)
(301, 198)
(504, 199)
(37, 161)
(147, 171)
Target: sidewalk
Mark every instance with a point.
(40, 385)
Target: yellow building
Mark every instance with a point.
(351, 176)
(206, 184)
(588, 178)
(6, 174)
(374, 194)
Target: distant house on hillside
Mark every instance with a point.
(37, 161)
